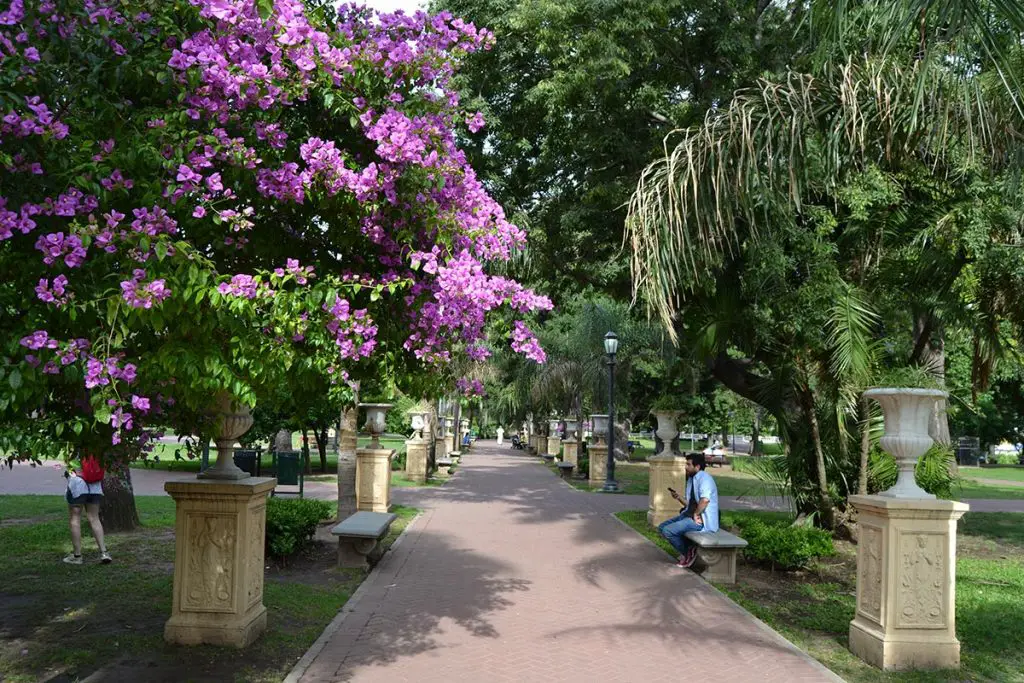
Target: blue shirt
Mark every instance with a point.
(705, 488)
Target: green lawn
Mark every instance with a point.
(1004, 473)
(163, 457)
(634, 479)
(968, 489)
(813, 609)
(62, 622)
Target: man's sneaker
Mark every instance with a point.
(686, 561)
(73, 559)
(105, 557)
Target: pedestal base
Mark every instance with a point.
(416, 460)
(569, 454)
(554, 446)
(373, 479)
(665, 471)
(218, 563)
(598, 453)
(906, 583)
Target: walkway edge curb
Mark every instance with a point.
(824, 670)
(320, 643)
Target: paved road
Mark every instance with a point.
(511, 575)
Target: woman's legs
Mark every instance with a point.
(92, 511)
(75, 520)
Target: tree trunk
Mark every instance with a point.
(321, 445)
(930, 353)
(347, 463)
(118, 511)
(307, 466)
(825, 501)
(755, 437)
(865, 445)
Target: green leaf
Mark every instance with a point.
(265, 8)
(14, 380)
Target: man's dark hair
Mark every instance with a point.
(697, 459)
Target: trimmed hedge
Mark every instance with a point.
(292, 522)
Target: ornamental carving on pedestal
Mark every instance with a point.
(211, 560)
(870, 579)
(922, 580)
(255, 588)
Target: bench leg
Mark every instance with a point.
(721, 564)
(355, 553)
(442, 470)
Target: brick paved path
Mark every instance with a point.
(511, 575)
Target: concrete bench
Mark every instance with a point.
(444, 465)
(359, 537)
(565, 469)
(548, 457)
(718, 551)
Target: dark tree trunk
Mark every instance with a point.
(825, 501)
(118, 511)
(321, 446)
(755, 437)
(865, 445)
(307, 466)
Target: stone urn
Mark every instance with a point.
(907, 416)
(376, 414)
(418, 421)
(233, 419)
(570, 428)
(666, 437)
(600, 427)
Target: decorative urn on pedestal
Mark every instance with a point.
(373, 463)
(416, 448)
(666, 469)
(906, 552)
(599, 427)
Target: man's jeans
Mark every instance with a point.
(675, 530)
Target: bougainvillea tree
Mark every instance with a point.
(211, 195)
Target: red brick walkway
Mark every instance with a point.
(511, 575)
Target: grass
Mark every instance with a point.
(813, 609)
(163, 457)
(1003, 473)
(634, 479)
(62, 622)
(970, 489)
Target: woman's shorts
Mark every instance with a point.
(84, 499)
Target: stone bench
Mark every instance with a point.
(444, 465)
(548, 457)
(565, 469)
(359, 538)
(718, 551)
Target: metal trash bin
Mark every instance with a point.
(248, 460)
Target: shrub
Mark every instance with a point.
(784, 546)
(934, 471)
(398, 462)
(292, 522)
(1007, 459)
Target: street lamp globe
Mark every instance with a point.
(611, 343)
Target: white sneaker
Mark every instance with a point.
(73, 559)
(105, 558)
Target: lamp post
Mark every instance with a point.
(611, 346)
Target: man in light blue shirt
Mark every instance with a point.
(700, 513)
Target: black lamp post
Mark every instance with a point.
(611, 346)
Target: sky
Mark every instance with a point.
(409, 6)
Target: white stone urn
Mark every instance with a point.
(418, 421)
(667, 434)
(599, 426)
(570, 428)
(376, 414)
(907, 415)
(233, 419)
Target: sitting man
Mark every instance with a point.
(700, 513)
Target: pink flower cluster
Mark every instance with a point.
(470, 387)
(245, 286)
(526, 343)
(138, 295)
(54, 294)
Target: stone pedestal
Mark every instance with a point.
(569, 451)
(440, 449)
(554, 446)
(598, 463)
(906, 583)
(347, 439)
(416, 460)
(218, 561)
(665, 471)
(373, 479)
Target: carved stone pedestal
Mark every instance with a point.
(569, 452)
(906, 583)
(665, 471)
(598, 453)
(554, 446)
(218, 562)
(416, 460)
(373, 479)
(440, 449)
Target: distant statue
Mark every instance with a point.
(501, 435)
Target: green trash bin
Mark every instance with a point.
(288, 470)
(248, 460)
